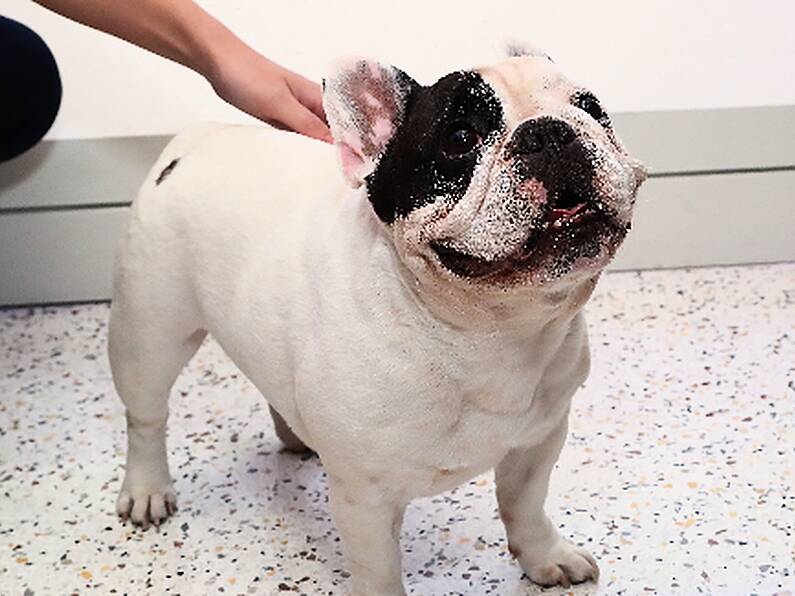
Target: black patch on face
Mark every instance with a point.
(166, 171)
(417, 165)
(587, 102)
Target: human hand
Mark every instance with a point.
(268, 91)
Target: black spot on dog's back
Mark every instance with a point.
(166, 171)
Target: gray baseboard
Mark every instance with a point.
(58, 256)
(716, 219)
(721, 192)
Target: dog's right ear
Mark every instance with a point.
(365, 103)
(515, 48)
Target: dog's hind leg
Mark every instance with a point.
(150, 341)
(286, 435)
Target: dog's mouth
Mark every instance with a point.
(575, 226)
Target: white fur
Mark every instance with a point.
(302, 286)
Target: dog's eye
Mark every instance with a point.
(590, 105)
(460, 139)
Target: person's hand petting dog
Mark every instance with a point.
(182, 31)
(279, 97)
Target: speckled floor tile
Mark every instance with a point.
(678, 473)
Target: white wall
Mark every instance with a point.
(637, 55)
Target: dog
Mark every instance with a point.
(409, 300)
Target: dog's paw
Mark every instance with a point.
(562, 565)
(145, 505)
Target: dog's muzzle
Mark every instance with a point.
(549, 151)
(572, 221)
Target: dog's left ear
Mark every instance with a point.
(365, 103)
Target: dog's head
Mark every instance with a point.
(492, 182)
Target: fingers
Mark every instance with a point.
(270, 92)
(293, 115)
(308, 93)
(302, 111)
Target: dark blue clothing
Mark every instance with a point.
(30, 88)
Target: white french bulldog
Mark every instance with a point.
(416, 331)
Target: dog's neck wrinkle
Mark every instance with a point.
(363, 234)
(526, 320)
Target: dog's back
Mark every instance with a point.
(217, 195)
(212, 181)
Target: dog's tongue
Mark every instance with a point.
(563, 214)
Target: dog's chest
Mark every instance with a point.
(495, 406)
(436, 413)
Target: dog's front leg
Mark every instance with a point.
(522, 482)
(369, 522)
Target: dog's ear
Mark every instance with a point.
(513, 48)
(365, 103)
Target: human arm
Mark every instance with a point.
(185, 33)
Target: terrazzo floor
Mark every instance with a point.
(678, 472)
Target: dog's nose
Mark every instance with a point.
(550, 151)
(542, 134)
